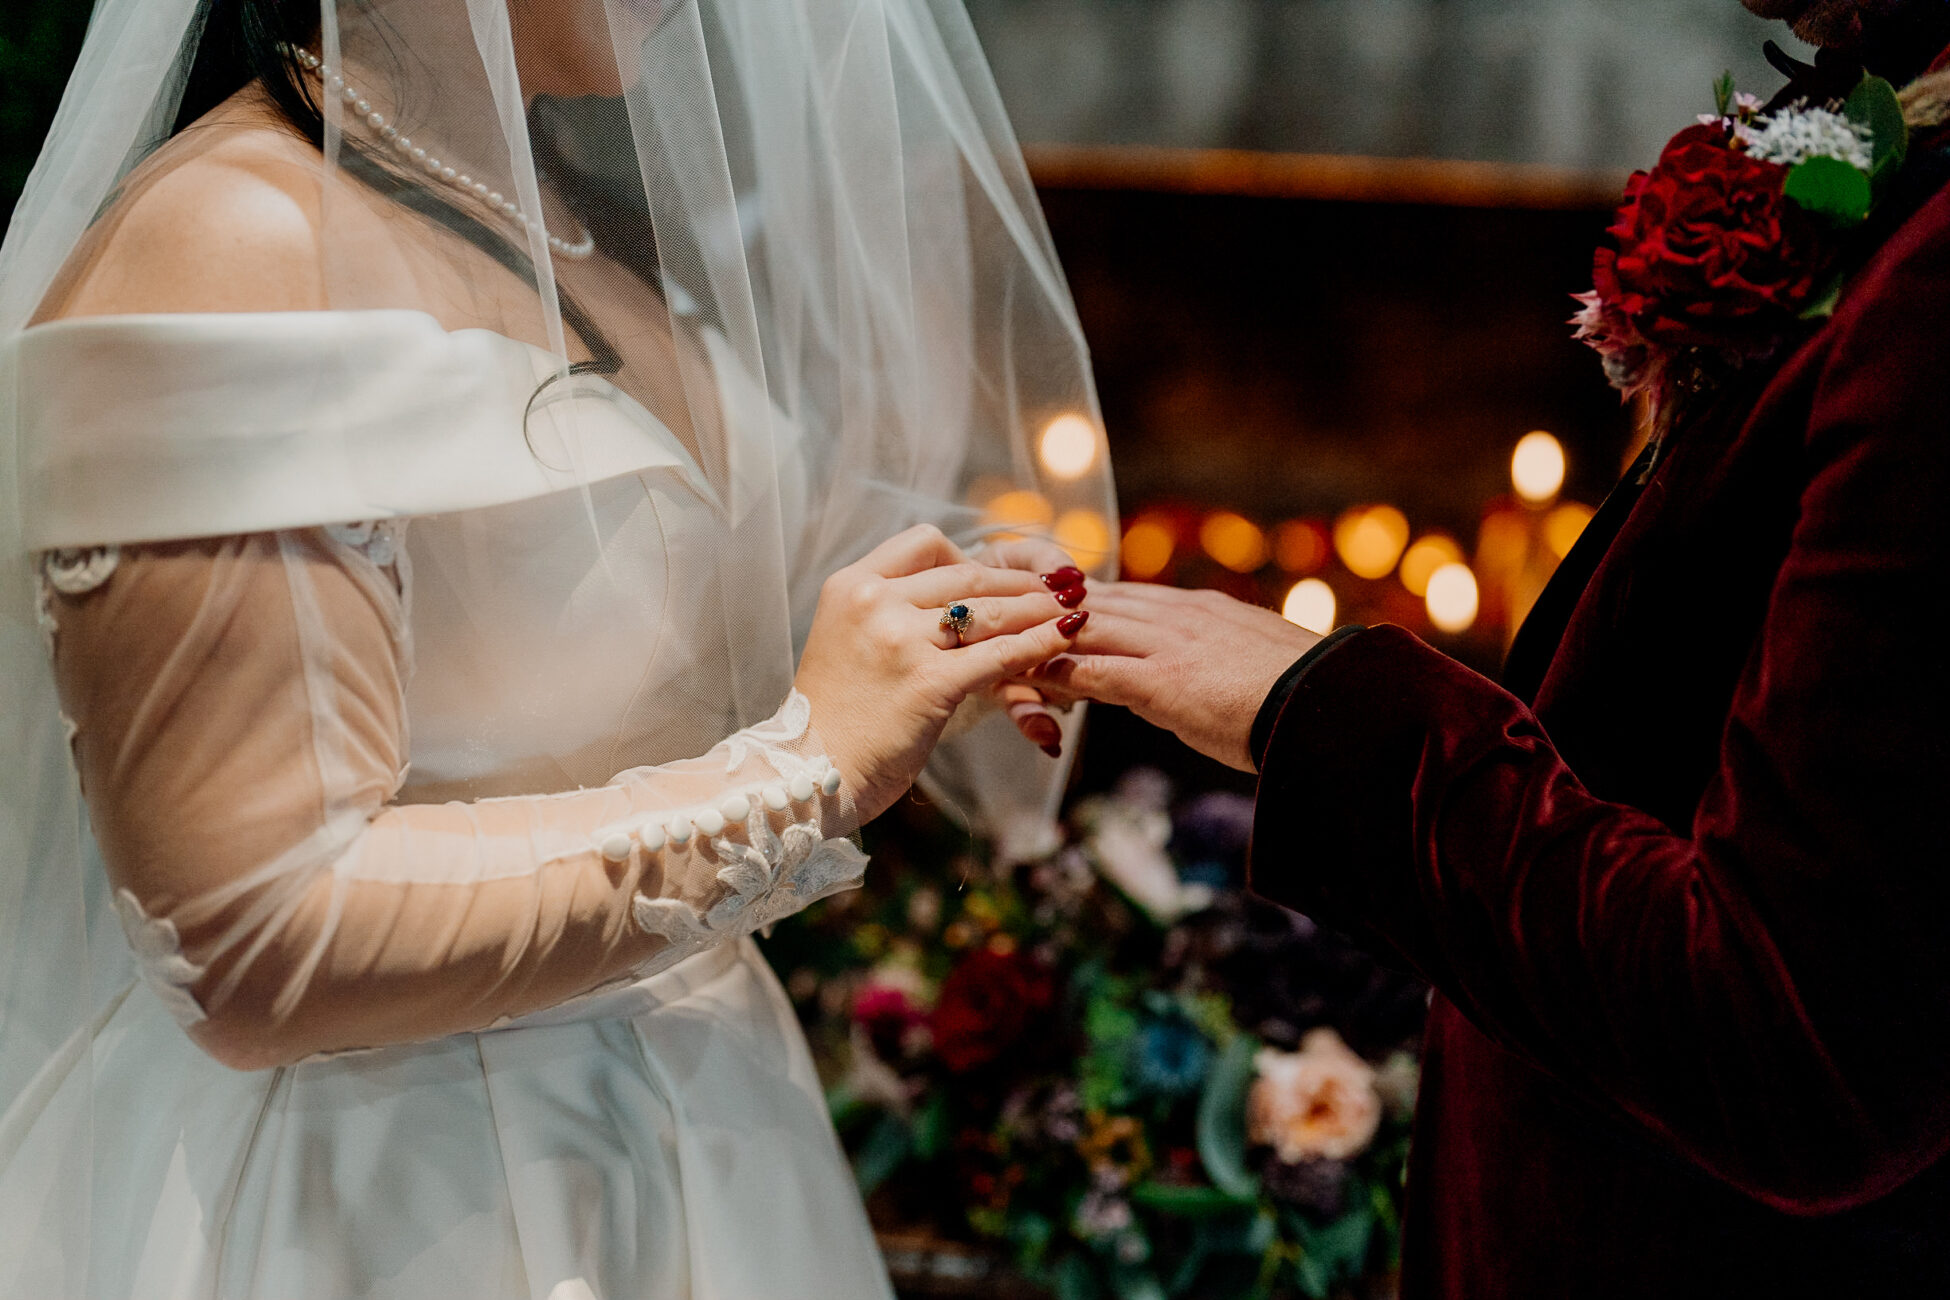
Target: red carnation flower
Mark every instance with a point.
(1710, 252)
(986, 1006)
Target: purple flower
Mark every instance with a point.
(1317, 1186)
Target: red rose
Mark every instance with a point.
(987, 1003)
(1710, 252)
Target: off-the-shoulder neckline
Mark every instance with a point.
(126, 320)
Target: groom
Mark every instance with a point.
(1681, 882)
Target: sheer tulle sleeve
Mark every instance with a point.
(237, 720)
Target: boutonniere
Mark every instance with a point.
(1739, 234)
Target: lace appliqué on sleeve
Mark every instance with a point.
(377, 539)
(78, 572)
(159, 958)
(770, 878)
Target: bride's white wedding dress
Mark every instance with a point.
(665, 1136)
(398, 748)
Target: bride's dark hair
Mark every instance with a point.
(259, 40)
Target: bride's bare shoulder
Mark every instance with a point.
(224, 217)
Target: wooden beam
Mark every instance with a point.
(1332, 177)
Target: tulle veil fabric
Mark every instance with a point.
(812, 225)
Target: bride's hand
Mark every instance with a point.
(1025, 704)
(884, 676)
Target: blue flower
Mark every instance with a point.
(1172, 1057)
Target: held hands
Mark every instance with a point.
(1196, 663)
(884, 676)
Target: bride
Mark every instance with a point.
(476, 480)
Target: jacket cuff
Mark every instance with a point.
(1269, 709)
(1334, 820)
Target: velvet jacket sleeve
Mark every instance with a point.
(1766, 991)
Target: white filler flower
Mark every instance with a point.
(1795, 135)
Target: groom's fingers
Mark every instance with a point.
(1113, 632)
(1113, 679)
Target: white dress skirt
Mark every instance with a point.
(657, 1140)
(676, 1147)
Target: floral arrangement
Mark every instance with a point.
(1741, 233)
(1109, 1065)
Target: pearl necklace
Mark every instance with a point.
(416, 154)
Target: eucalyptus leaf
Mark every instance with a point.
(1222, 1119)
(1189, 1202)
(886, 1149)
(1133, 1282)
(931, 1128)
(1076, 1279)
(1874, 104)
(1342, 1246)
(1315, 1281)
(1823, 305)
(1185, 1276)
(1832, 190)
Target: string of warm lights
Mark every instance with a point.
(1515, 548)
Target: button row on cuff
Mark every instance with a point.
(653, 833)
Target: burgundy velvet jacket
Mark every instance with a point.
(1683, 888)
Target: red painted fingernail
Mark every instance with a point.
(1071, 624)
(1070, 597)
(1067, 576)
(1044, 732)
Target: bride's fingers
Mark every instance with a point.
(976, 666)
(994, 616)
(1029, 554)
(1027, 709)
(922, 547)
(960, 582)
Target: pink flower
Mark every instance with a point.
(1631, 364)
(1318, 1103)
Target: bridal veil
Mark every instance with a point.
(795, 236)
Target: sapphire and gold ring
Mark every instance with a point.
(958, 618)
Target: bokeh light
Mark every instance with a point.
(1370, 539)
(1018, 509)
(1503, 541)
(1300, 546)
(1452, 598)
(1420, 562)
(1564, 525)
(1310, 605)
(1537, 467)
(1233, 540)
(1085, 534)
(1148, 547)
(1069, 446)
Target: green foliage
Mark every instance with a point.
(39, 40)
(1874, 105)
(1105, 1149)
(1723, 94)
(1825, 300)
(1222, 1120)
(1831, 189)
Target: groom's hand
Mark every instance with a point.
(1196, 663)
